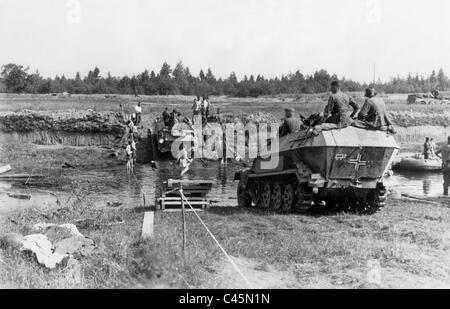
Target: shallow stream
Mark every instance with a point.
(115, 185)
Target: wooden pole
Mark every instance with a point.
(184, 219)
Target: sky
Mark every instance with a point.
(269, 37)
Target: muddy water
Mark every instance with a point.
(39, 198)
(115, 185)
(123, 188)
(420, 184)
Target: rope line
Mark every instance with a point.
(207, 229)
(184, 280)
(217, 242)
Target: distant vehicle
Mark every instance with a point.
(426, 99)
(340, 167)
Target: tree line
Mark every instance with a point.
(167, 81)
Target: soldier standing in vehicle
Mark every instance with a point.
(339, 107)
(196, 110)
(196, 107)
(444, 154)
(205, 109)
(291, 123)
(166, 117)
(374, 111)
(138, 111)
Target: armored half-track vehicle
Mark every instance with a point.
(333, 168)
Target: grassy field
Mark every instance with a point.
(403, 246)
(155, 104)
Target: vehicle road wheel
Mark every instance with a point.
(264, 201)
(256, 193)
(277, 198)
(303, 201)
(288, 197)
(243, 198)
(375, 199)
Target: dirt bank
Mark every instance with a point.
(74, 128)
(58, 137)
(92, 128)
(66, 121)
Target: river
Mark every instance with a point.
(113, 184)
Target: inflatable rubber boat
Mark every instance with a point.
(418, 163)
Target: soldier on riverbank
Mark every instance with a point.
(444, 154)
(138, 112)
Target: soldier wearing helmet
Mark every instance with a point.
(374, 110)
(339, 107)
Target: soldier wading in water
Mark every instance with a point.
(444, 154)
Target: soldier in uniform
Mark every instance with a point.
(435, 93)
(339, 107)
(374, 110)
(427, 149)
(166, 117)
(291, 123)
(444, 154)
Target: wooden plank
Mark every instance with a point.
(191, 192)
(187, 183)
(175, 198)
(173, 193)
(272, 173)
(186, 210)
(172, 203)
(5, 168)
(21, 176)
(420, 199)
(147, 225)
(195, 187)
(184, 222)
